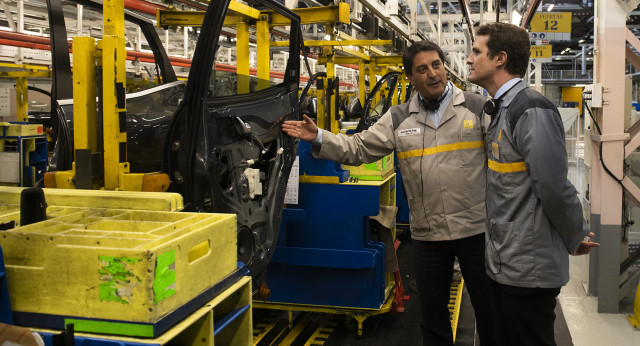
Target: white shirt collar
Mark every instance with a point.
(506, 86)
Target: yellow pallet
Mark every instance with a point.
(116, 265)
(377, 170)
(204, 327)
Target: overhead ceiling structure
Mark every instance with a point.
(449, 23)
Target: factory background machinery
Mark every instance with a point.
(144, 120)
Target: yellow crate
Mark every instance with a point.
(160, 201)
(15, 130)
(117, 265)
(378, 170)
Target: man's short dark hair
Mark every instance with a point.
(417, 47)
(511, 39)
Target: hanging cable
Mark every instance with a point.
(595, 122)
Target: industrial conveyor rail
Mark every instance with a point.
(289, 324)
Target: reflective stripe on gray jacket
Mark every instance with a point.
(535, 218)
(443, 168)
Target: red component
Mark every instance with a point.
(143, 6)
(398, 302)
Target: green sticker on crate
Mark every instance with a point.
(119, 280)
(371, 166)
(121, 328)
(164, 284)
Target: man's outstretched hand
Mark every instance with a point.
(586, 246)
(305, 129)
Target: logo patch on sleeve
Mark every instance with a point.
(495, 150)
(468, 124)
(409, 132)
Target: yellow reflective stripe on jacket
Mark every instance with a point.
(507, 167)
(440, 149)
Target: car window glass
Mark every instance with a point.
(142, 72)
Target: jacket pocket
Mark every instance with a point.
(502, 183)
(473, 156)
(502, 249)
(418, 213)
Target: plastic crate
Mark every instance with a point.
(56, 198)
(377, 170)
(116, 271)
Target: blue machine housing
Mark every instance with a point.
(324, 254)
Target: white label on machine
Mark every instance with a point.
(10, 172)
(291, 196)
(5, 103)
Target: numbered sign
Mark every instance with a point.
(551, 22)
(541, 53)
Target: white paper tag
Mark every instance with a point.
(291, 195)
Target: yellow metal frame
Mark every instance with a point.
(337, 43)
(110, 53)
(262, 51)
(242, 57)
(239, 12)
(84, 97)
(362, 93)
(22, 91)
(330, 124)
(359, 314)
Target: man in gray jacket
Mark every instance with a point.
(438, 139)
(534, 215)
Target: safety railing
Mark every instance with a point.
(550, 76)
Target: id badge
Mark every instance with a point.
(495, 151)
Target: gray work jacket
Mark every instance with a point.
(534, 215)
(443, 168)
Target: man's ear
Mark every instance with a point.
(501, 59)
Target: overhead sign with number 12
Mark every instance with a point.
(551, 22)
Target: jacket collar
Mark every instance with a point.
(506, 101)
(511, 94)
(415, 108)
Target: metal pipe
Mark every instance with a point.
(143, 6)
(439, 23)
(584, 60)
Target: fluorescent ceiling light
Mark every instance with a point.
(550, 7)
